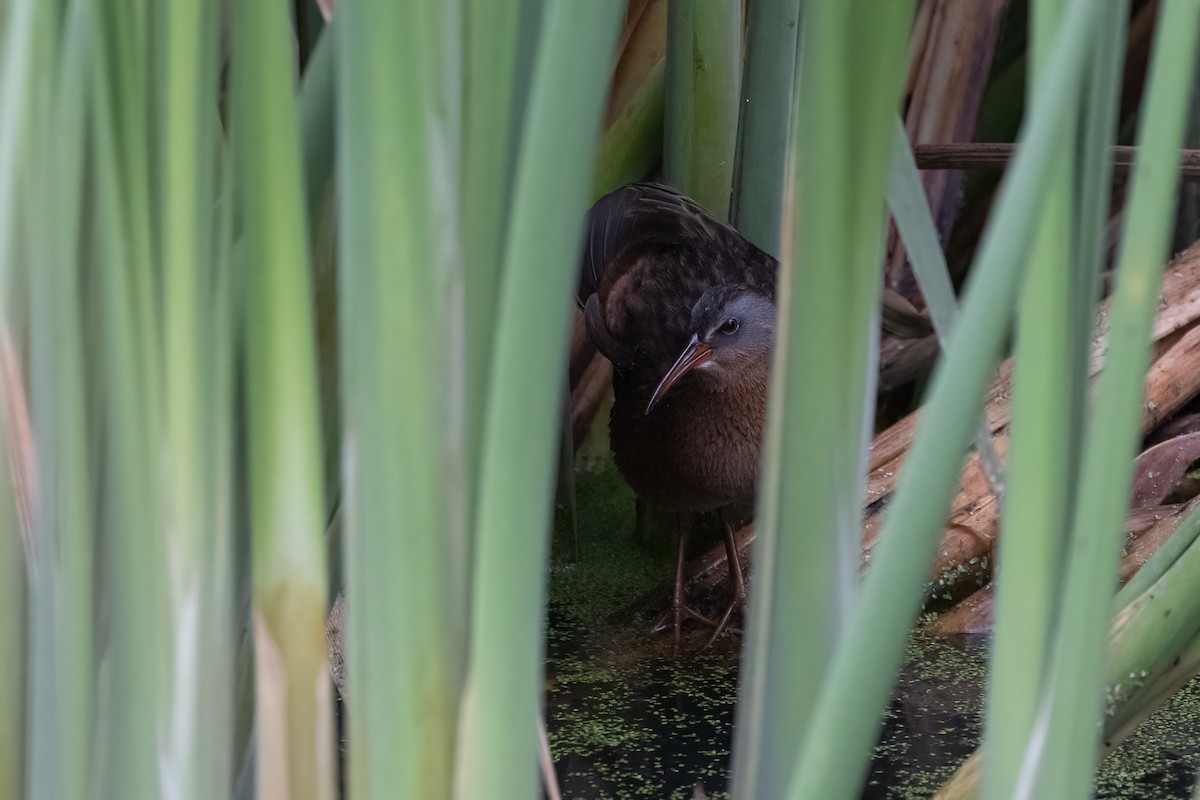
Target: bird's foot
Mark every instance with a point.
(673, 621)
(737, 583)
(722, 625)
(668, 621)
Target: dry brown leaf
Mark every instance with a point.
(1159, 469)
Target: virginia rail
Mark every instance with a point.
(684, 308)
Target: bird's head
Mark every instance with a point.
(732, 327)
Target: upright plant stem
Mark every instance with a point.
(1040, 485)
(703, 81)
(809, 511)
(1061, 758)
(1098, 133)
(909, 205)
(772, 33)
(551, 191)
(405, 486)
(133, 698)
(60, 714)
(126, 51)
(20, 76)
(492, 44)
(847, 711)
(295, 732)
(317, 123)
(633, 143)
(198, 727)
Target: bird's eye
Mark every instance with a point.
(730, 326)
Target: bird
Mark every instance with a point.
(684, 308)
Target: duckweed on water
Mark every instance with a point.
(933, 721)
(613, 569)
(627, 721)
(1161, 759)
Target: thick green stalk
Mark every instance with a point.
(295, 732)
(15, 85)
(551, 192)
(1148, 637)
(404, 486)
(704, 47)
(1097, 134)
(1153, 649)
(851, 700)
(18, 81)
(1161, 561)
(489, 116)
(1063, 764)
(632, 145)
(910, 209)
(1148, 693)
(317, 128)
(124, 66)
(224, 471)
(59, 714)
(1040, 485)
(810, 504)
(198, 726)
(772, 29)
(20, 73)
(135, 692)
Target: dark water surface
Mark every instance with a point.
(627, 720)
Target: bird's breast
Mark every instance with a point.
(699, 448)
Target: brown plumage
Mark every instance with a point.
(689, 443)
(684, 308)
(649, 254)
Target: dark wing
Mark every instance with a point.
(649, 253)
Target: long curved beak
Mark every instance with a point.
(696, 354)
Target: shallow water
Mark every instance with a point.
(628, 723)
(627, 720)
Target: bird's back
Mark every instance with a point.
(649, 254)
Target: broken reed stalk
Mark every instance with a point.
(996, 155)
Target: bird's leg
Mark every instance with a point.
(682, 528)
(679, 608)
(737, 583)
